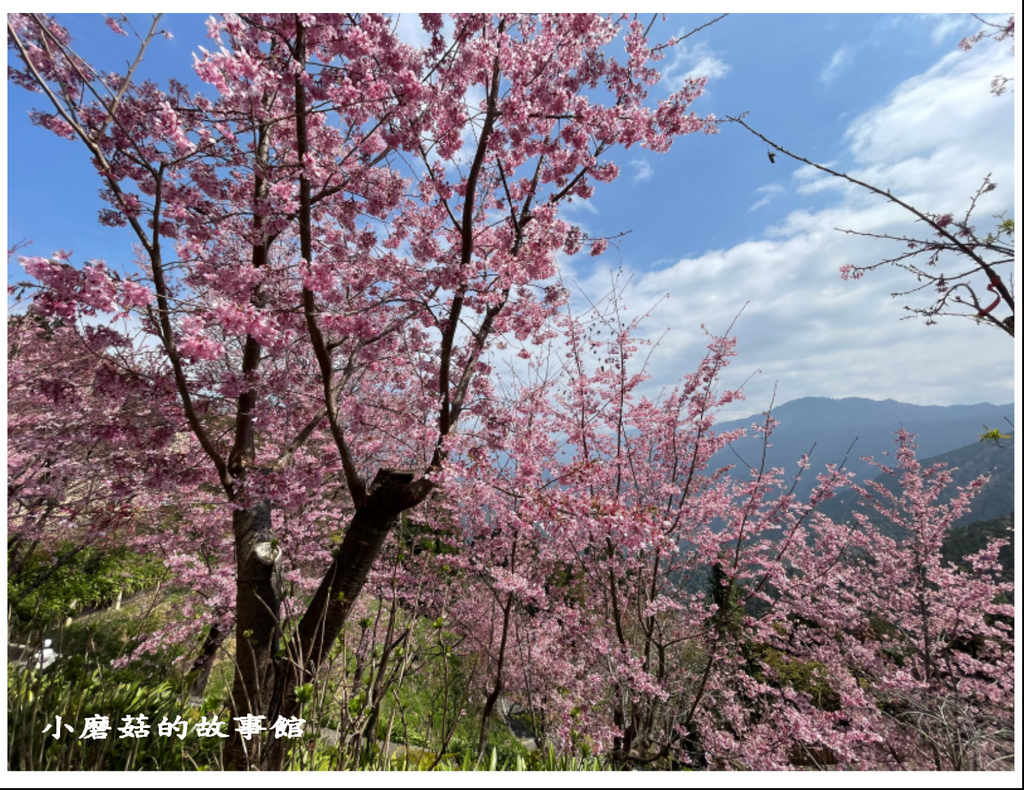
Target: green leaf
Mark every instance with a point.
(994, 435)
(304, 693)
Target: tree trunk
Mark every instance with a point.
(391, 493)
(199, 674)
(257, 629)
(499, 675)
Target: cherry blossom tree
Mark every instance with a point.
(336, 237)
(967, 272)
(638, 603)
(85, 444)
(941, 671)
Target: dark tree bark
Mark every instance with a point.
(199, 673)
(257, 627)
(391, 493)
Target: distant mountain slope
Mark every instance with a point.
(832, 425)
(975, 536)
(996, 499)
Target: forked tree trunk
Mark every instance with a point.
(391, 493)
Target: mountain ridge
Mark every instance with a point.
(852, 428)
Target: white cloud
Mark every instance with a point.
(410, 30)
(948, 108)
(642, 171)
(694, 60)
(575, 206)
(841, 59)
(931, 141)
(949, 26)
(768, 192)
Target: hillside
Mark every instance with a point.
(851, 428)
(972, 538)
(995, 499)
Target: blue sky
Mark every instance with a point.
(886, 97)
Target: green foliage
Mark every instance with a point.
(806, 677)
(427, 723)
(75, 690)
(495, 759)
(51, 586)
(304, 693)
(416, 537)
(569, 580)
(548, 760)
(429, 708)
(994, 435)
